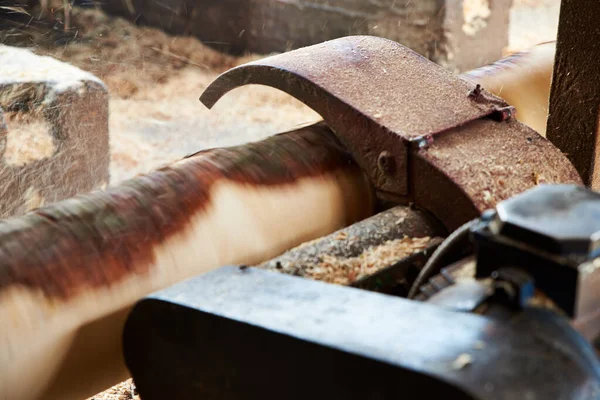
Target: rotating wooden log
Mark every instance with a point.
(70, 271)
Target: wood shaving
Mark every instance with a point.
(344, 271)
(342, 236)
(28, 139)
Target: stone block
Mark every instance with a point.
(53, 131)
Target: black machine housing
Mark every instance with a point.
(516, 325)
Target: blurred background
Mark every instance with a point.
(155, 65)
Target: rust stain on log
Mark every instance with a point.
(98, 239)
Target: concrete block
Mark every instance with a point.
(53, 131)
(459, 34)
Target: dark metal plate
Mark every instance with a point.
(245, 333)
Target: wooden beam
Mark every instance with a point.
(575, 93)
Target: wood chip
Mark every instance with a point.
(342, 236)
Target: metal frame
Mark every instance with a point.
(575, 92)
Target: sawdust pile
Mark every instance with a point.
(345, 271)
(532, 22)
(122, 391)
(126, 57)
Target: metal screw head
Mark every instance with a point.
(504, 113)
(476, 92)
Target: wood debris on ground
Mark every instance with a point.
(345, 271)
(123, 391)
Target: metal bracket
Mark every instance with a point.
(420, 133)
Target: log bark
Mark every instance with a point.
(69, 271)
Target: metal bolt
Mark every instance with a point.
(504, 113)
(476, 92)
(386, 163)
(513, 286)
(425, 141)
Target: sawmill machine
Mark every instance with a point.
(271, 270)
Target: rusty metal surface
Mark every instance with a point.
(523, 79)
(575, 93)
(374, 93)
(410, 124)
(379, 79)
(488, 162)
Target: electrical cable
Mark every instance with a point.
(434, 265)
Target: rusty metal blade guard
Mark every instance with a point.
(420, 133)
